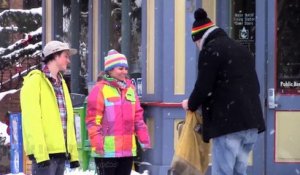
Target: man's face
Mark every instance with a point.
(198, 43)
(63, 60)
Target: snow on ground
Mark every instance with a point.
(89, 172)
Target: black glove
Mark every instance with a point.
(74, 164)
(43, 164)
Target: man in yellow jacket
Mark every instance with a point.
(47, 114)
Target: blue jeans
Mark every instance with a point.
(230, 152)
(56, 167)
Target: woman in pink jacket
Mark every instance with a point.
(115, 119)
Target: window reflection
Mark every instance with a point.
(288, 46)
(116, 37)
(66, 36)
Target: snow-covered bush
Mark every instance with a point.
(4, 137)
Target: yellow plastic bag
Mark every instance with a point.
(191, 153)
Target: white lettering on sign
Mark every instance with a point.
(246, 19)
(238, 19)
(249, 19)
(287, 84)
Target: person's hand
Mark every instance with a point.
(184, 104)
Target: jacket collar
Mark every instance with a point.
(106, 79)
(210, 30)
(217, 33)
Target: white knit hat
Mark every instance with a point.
(114, 59)
(56, 46)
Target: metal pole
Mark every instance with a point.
(75, 61)
(105, 30)
(90, 44)
(126, 29)
(57, 20)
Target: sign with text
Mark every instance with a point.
(243, 23)
(288, 86)
(16, 143)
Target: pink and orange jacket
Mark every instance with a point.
(114, 119)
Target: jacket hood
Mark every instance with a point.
(31, 73)
(34, 72)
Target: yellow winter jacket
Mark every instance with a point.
(41, 122)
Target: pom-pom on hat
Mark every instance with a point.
(201, 24)
(114, 59)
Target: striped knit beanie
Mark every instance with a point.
(114, 59)
(201, 24)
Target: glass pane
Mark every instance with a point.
(133, 29)
(83, 39)
(243, 22)
(288, 46)
(115, 25)
(121, 30)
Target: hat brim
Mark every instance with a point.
(73, 51)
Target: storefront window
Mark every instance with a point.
(124, 32)
(81, 33)
(288, 46)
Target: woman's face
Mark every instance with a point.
(119, 73)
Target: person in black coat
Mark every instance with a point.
(227, 89)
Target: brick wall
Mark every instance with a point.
(16, 4)
(11, 102)
(7, 74)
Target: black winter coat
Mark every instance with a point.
(227, 87)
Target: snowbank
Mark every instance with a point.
(91, 172)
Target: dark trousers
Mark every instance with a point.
(114, 166)
(56, 167)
